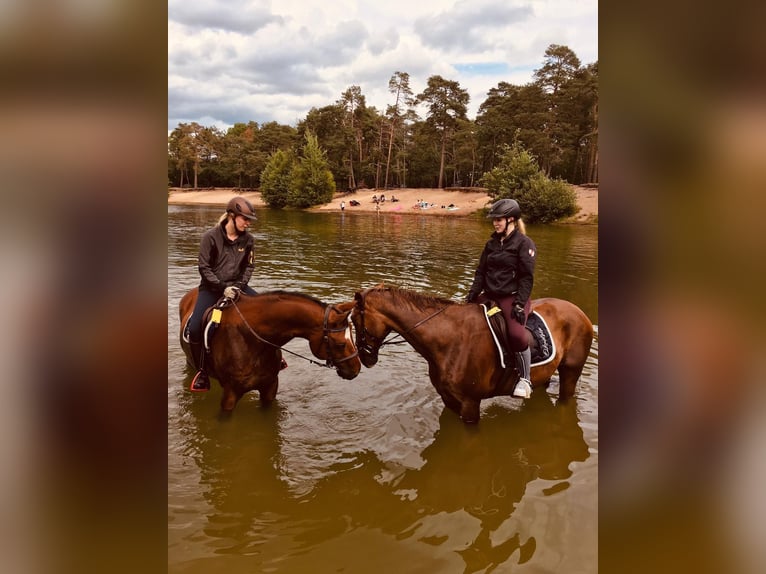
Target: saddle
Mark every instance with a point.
(211, 318)
(541, 345)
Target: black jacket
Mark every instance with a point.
(223, 262)
(505, 268)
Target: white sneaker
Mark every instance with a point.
(523, 389)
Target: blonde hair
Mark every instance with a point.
(521, 226)
(223, 218)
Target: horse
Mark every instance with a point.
(456, 341)
(246, 352)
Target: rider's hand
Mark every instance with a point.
(231, 292)
(518, 313)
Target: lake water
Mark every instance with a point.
(374, 475)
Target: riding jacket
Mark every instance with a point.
(506, 267)
(223, 262)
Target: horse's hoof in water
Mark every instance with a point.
(200, 383)
(224, 415)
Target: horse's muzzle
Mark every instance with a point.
(368, 356)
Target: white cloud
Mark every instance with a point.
(241, 60)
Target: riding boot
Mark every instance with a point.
(523, 388)
(200, 383)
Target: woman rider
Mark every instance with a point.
(226, 260)
(505, 275)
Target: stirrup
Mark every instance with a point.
(523, 389)
(200, 383)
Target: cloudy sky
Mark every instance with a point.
(240, 60)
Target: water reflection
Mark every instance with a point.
(457, 505)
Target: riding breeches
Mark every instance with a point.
(517, 334)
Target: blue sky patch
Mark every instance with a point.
(491, 68)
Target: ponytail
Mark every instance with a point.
(521, 226)
(223, 218)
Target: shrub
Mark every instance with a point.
(311, 181)
(519, 177)
(275, 179)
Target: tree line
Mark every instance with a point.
(554, 118)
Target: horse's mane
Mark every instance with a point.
(279, 292)
(415, 298)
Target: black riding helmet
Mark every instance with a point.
(504, 208)
(241, 206)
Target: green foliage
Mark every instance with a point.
(555, 118)
(311, 182)
(519, 177)
(275, 179)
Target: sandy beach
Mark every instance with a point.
(420, 201)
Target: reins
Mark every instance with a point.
(364, 334)
(329, 363)
(391, 341)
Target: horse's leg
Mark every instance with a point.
(466, 407)
(268, 392)
(229, 399)
(469, 411)
(568, 378)
(451, 402)
(571, 368)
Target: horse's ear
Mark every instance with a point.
(358, 296)
(345, 308)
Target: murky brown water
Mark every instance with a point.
(374, 475)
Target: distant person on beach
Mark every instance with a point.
(226, 262)
(505, 275)
(342, 205)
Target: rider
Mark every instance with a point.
(505, 275)
(226, 260)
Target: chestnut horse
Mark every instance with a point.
(454, 338)
(246, 349)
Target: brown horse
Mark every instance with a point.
(455, 340)
(246, 350)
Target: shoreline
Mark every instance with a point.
(437, 201)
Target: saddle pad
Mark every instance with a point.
(542, 353)
(546, 348)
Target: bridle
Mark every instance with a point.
(326, 330)
(364, 334)
(329, 362)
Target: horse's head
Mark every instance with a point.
(340, 349)
(370, 329)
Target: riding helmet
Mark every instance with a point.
(504, 208)
(241, 206)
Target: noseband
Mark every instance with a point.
(326, 338)
(364, 334)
